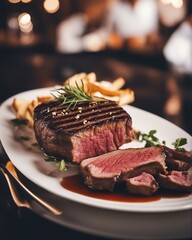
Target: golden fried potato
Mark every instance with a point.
(117, 84)
(126, 96)
(105, 89)
(76, 79)
(41, 99)
(20, 107)
(25, 109)
(109, 90)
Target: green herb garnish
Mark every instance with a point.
(178, 143)
(150, 139)
(74, 94)
(60, 163)
(17, 121)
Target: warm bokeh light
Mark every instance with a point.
(25, 23)
(14, 1)
(13, 23)
(173, 105)
(177, 3)
(26, 1)
(174, 3)
(27, 29)
(166, 1)
(93, 43)
(17, 1)
(24, 19)
(51, 6)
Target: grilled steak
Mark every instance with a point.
(89, 129)
(104, 171)
(176, 180)
(173, 164)
(182, 156)
(144, 184)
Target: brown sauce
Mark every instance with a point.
(75, 184)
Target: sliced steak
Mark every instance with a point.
(173, 164)
(176, 180)
(104, 171)
(144, 184)
(182, 156)
(89, 129)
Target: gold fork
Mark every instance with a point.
(20, 202)
(10, 173)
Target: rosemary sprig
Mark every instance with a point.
(72, 95)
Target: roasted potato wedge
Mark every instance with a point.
(105, 89)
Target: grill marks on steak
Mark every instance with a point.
(87, 130)
(84, 115)
(103, 172)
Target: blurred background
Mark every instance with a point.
(148, 42)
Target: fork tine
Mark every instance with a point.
(42, 202)
(15, 196)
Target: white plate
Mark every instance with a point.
(32, 165)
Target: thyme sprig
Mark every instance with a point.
(72, 95)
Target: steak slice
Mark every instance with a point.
(104, 171)
(182, 156)
(173, 164)
(89, 129)
(144, 184)
(176, 180)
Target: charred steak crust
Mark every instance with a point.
(86, 130)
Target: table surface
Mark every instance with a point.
(153, 89)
